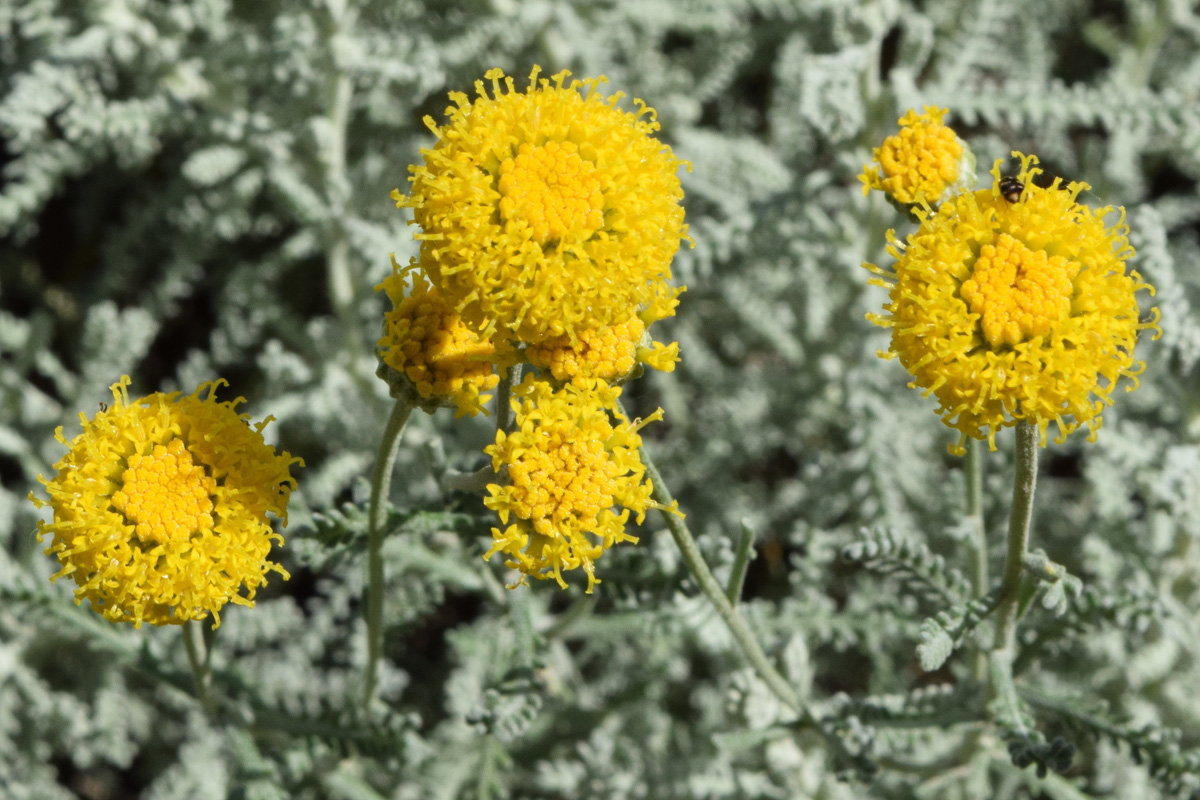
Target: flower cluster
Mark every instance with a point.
(925, 161)
(549, 219)
(1013, 303)
(568, 466)
(426, 341)
(549, 211)
(609, 355)
(161, 507)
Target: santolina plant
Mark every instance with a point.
(548, 221)
(1011, 304)
(532, 614)
(1014, 307)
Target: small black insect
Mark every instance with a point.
(103, 406)
(1011, 189)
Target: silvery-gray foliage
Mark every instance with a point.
(200, 189)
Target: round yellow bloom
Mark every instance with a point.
(609, 355)
(567, 467)
(1015, 309)
(547, 212)
(161, 504)
(924, 161)
(426, 341)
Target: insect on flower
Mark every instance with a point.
(1011, 189)
(1014, 304)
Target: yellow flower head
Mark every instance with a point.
(160, 507)
(426, 341)
(925, 160)
(549, 211)
(567, 468)
(1013, 303)
(609, 355)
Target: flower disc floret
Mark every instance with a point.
(924, 161)
(568, 470)
(161, 507)
(547, 212)
(426, 340)
(1015, 311)
(1018, 293)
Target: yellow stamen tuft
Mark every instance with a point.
(427, 341)
(608, 354)
(568, 468)
(562, 481)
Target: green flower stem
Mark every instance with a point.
(716, 595)
(977, 546)
(580, 608)
(974, 517)
(1018, 533)
(741, 563)
(193, 642)
(522, 619)
(477, 481)
(504, 412)
(1000, 660)
(340, 282)
(339, 278)
(381, 481)
(487, 768)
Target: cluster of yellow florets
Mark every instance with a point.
(568, 466)
(925, 161)
(547, 212)
(1013, 303)
(427, 341)
(610, 355)
(549, 218)
(161, 507)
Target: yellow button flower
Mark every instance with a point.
(568, 467)
(425, 340)
(924, 161)
(547, 212)
(161, 507)
(1014, 303)
(609, 355)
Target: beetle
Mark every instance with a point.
(1011, 189)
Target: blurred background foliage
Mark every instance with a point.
(200, 188)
